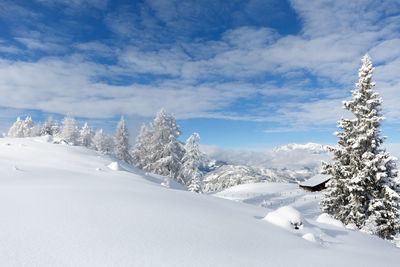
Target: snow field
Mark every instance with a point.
(62, 206)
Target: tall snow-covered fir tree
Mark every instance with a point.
(50, 127)
(103, 143)
(122, 147)
(190, 175)
(29, 128)
(165, 150)
(86, 135)
(141, 151)
(70, 132)
(363, 189)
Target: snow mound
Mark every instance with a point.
(327, 219)
(309, 237)
(286, 217)
(115, 166)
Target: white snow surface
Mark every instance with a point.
(58, 209)
(310, 237)
(327, 219)
(286, 217)
(334, 245)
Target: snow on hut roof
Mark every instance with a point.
(315, 180)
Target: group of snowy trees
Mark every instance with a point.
(24, 128)
(364, 187)
(157, 149)
(68, 133)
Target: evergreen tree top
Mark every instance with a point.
(193, 138)
(365, 103)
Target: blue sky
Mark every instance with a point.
(244, 74)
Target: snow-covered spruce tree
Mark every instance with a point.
(190, 175)
(29, 127)
(17, 129)
(363, 187)
(86, 135)
(165, 151)
(141, 151)
(98, 140)
(70, 133)
(122, 146)
(103, 143)
(50, 127)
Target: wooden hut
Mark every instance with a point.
(315, 183)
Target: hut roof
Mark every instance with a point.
(315, 180)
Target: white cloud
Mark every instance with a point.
(35, 44)
(69, 86)
(9, 49)
(77, 4)
(96, 48)
(12, 12)
(154, 62)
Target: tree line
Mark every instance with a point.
(157, 149)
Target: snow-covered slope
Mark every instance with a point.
(68, 206)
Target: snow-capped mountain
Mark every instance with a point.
(231, 175)
(290, 163)
(211, 165)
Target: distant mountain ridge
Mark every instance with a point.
(291, 163)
